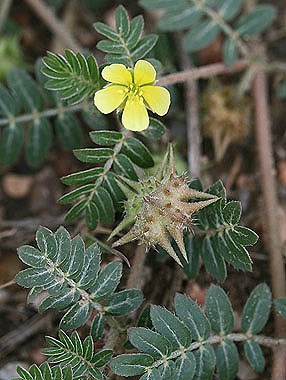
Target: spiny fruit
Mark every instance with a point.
(159, 209)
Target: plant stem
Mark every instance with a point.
(192, 113)
(265, 153)
(9, 283)
(54, 24)
(135, 278)
(47, 113)
(216, 339)
(203, 72)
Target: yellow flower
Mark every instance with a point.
(132, 90)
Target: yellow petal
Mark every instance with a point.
(109, 98)
(135, 116)
(157, 98)
(144, 73)
(117, 73)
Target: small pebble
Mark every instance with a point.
(17, 186)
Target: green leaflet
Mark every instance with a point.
(91, 215)
(138, 153)
(38, 142)
(170, 326)
(68, 131)
(229, 9)
(131, 365)
(149, 342)
(76, 316)
(11, 142)
(213, 260)
(256, 20)
(230, 51)
(205, 363)
(193, 317)
(254, 355)
(97, 327)
(256, 310)
(122, 21)
(179, 18)
(123, 166)
(93, 156)
(83, 177)
(227, 359)
(107, 281)
(105, 138)
(104, 204)
(7, 106)
(26, 90)
(76, 210)
(144, 319)
(185, 367)
(219, 310)
(280, 305)
(155, 130)
(124, 302)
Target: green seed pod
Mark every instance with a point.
(159, 208)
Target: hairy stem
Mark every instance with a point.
(47, 113)
(203, 72)
(215, 339)
(192, 113)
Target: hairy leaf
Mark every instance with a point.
(256, 310)
(168, 325)
(254, 355)
(219, 310)
(70, 278)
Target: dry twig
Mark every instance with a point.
(203, 72)
(18, 336)
(55, 25)
(135, 279)
(263, 137)
(7, 284)
(192, 113)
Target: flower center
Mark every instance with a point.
(134, 91)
